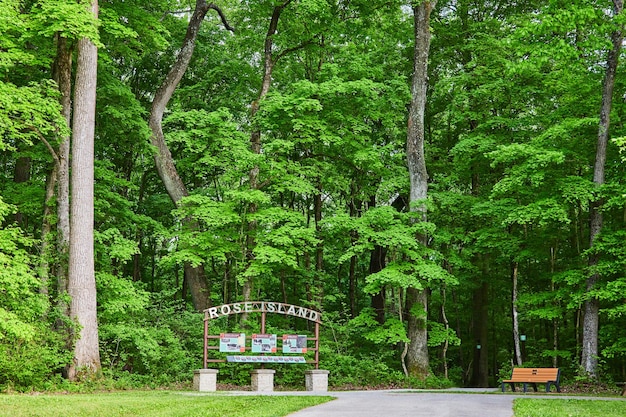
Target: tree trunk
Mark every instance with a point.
(319, 250)
(82, 282)
(555, 322)
(518, 351)
(589, 360)
(62, 74)
(446, 323)
(480, 374)
(22, 174)
(377, 264)
(417, 355)
(255, 140)
(194, 276)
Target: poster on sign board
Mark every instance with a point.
(264, 343)
(294, 343)
(232, 342)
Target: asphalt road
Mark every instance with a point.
(455, 402)
(411, 404)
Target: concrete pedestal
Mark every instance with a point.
(316, 380)
(263, 379)
(205, 379)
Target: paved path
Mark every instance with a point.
(456, 402)
(411, 404)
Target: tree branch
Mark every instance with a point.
(222, 17)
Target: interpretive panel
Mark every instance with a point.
(264, 343)
(294, 343)
(232, 342)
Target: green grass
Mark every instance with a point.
(153, 404)
(527, 407)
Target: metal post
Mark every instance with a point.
(317, 345)
(263, 322)
(206, 341)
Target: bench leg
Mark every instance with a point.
(503, 387)
(525, 386)
(548, 386)
(535, 387)
(513, 386)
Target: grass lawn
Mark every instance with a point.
(153, 404)
(527, 407)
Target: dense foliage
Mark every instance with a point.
(512, 119)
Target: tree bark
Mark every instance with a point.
(176, 189)
(589, 357)
(516, 344)
(82, 282)
(62, 74)
(417, 355)
(418, 364)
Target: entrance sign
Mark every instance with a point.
(262, 343)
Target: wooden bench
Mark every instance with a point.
(534, 376)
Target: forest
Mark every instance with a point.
(443, 180)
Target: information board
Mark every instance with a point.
(264, 343)
(232, 342)
(294, 343)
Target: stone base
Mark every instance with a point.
(205, 379)
(263, 379)
(316, 380)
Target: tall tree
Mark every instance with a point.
(417, 301)
(81, 278)
(195, 277)
(589, 360)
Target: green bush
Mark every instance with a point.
(28, 365)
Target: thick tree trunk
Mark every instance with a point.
(194, 276)
(417, 361)
(82, 282)
(417, 355)
(589, 360)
